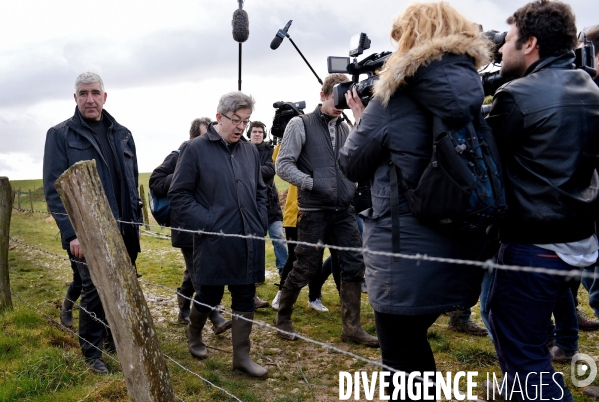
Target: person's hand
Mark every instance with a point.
(76, 249)
(354, 103)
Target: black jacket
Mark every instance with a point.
(547, 129)
(217, 188)
(160, 183)
(268, 175)
(73, 141)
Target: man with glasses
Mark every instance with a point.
(308, 159)
(217, 187)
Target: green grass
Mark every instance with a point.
(41, 361)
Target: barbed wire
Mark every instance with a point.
(93, 315)
(262, 324)
(488, 265)
(258, 323)
(31, 246)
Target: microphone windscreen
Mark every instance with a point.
(241, 25)
(276, 42)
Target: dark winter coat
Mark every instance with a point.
(268, 175)
(547, 129)
(216, 188)
(160, 183)
(438, 78)
(72, 141)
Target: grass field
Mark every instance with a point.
(41, 361)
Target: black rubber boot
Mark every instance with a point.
(194, 334)
(66, 311)
(351, 296)
(240, 334)
(184, 305)
(283, 319)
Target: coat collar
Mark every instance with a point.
(399, 67)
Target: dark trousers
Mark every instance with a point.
(404, 345)
(337, 228)
(92, 330)
(316, 283)
(521, 305)
(242, 297)
(187, 286)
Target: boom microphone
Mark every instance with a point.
(241, 28)
(276, 42)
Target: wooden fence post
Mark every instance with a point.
(19, 199)
(138, 349)
(31, 201)
(6, 200)
(144, 206)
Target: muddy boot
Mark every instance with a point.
(219, 323)
(351, 295)
(184, 304)
(240, 334)
(66, 313)
(194, 333)
(283, 319)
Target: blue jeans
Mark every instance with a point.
(485, 294)
(275, 231)
(521, 305)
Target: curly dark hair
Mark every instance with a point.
(553, 24)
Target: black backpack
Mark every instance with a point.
(161, 207)
(461, 190)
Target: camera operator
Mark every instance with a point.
(546, 123)
(307, 159)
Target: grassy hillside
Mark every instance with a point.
(41, 361)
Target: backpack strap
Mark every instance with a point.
(395, 234)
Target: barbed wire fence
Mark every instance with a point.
(488, 265)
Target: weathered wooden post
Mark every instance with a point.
(6, 200)
(19, 199)
(144, 206)
(31, 201)
(126, 310)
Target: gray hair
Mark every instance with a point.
(234, 101)
(194, 130)
(88, 78)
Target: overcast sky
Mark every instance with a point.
(166, 63)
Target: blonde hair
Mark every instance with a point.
(421, 22)
(425, 32)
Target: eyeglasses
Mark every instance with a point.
(237, 121)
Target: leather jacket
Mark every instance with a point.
(547, 129)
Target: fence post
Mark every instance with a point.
(138, 349)
(6, 200)
(144, 206)
(19, 199)
(31, 201)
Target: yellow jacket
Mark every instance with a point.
(291, 208)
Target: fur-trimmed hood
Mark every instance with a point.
(398, 68)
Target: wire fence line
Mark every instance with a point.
(93, 315)
(488, 265)
(260, 324)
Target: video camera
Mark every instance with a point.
(285, 112)
(369, 66)
(585, 60)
